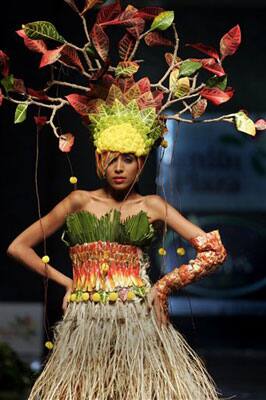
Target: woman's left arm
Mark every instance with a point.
(209, 247)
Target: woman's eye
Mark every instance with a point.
(128, 159)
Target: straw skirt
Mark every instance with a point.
(118, 352)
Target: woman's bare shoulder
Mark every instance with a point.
(78, 199)
(154, 201)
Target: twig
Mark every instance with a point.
(84, 23)
(67, 84)
(227, 118)
(173, 63)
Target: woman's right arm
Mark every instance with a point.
(22, 247)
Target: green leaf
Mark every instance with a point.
(217, 81)
(126, 68)
(163, 21)
(188, 68)
(244, 123)
(42, 30)
(21, 113)
(8, 82)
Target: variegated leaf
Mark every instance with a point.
(100, 41)
(126, 68)
(199, 108)
(34, 45)
(244, 123)
(42, 30)
(21, 113)
(182, 87)
(125, 46)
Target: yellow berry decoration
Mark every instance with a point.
(130, 295)
(113, 296)
(164, 144)
(85, 296)
(181, 251)
(45, 259)
(73, 180)
(96, 297)
(49, 345)
(162, 251)
(73, 297)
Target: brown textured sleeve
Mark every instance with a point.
(210, 253)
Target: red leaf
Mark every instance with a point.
(40, 120)
(100, 41)
(156, 39)
(70, 56)
(108, 12)
(34, 45)
(144, 85)
(210, 51)
(149, 12)
(137, 27)
(169, 58)
(4, 63)
(216, 95)
(210, 65)
(51, 56)
(79, 103)
(129, 17)
(260, 124)
(1, 97)
(125, 46)
(66, 142)
(158, 98)
(39, 94)
(125, 83)
(230, 42)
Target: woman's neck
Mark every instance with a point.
(119, 195)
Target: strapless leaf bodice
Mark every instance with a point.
(85, 227)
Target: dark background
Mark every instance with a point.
(224, 340)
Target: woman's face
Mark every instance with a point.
(122, 171)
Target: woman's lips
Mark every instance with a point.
(119, 180)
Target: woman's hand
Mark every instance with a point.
(155, 302)
(66, 298)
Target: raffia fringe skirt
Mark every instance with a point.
(118, 352)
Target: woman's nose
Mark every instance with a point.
(119, 165)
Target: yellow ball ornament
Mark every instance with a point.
(73, 180)
(181, 251)
(162, 251)
(49, 345)
(85, 296)
(45, 259)
(130, 295)
(73, 297)
(113, 296)
(96, 297)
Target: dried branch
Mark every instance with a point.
(66, 84)
(226, 118)
(85, 27)
(173, 63)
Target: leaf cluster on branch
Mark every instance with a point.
(178, 88)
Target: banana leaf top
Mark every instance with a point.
(85, 227)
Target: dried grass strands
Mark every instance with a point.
(118, 352)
